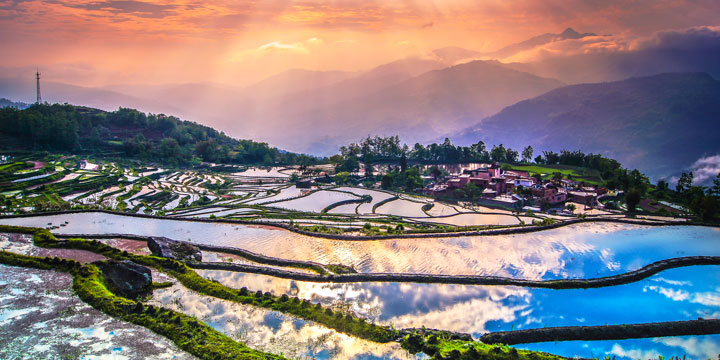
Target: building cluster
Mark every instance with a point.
(516, 189)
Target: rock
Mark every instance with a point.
(173, 249)
(126, 278)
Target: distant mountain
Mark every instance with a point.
(659, 124)
(296, 80)
(613, 66)
(365, 83)
(533, 42)
(454, 54)
(421, 107)
(281, 119)
(54, 92)
(8, 103)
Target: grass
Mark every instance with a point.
(575, 172)
(439, 345)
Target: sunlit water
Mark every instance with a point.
(677, 294)
(576, 251)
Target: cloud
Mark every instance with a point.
(137, 8)
(303, 47)
(619, 351)
(698, 347)
(705, 169)
(672, 282)
(675, 295)
(702, 298)
(700, 37)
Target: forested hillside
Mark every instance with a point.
(128, 132)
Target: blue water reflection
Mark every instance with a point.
(677, 294)
(575, 251)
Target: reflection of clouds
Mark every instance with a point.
(619, 351)
(272, 331)
(702, 298)
(453, 307)
(671, 282)
(564, 252)
(399, 303)
(699, 347)
(469, 316)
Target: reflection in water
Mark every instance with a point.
(667, 296)
(272, 331)
(584, 250)
(575, 251)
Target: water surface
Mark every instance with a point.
(574, 251)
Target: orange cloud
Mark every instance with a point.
(192, 40)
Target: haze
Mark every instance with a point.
(310, 76)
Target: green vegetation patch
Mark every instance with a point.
(185, 331)
(441, 346)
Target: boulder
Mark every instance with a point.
(173, 249)
(126, 278)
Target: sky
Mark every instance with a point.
(96, 43)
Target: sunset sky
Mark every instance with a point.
(241, 42)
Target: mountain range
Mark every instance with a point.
(450, 94)
(454, 54)
(660, 124)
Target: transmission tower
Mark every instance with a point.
(37, 78)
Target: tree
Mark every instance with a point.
(170, 149)
(551, 158)
(386, 182)
(498, 153)
(342, 177)
(571, 207)
(412, 179)
(435, 172)
(336, 160)
(715, 189)
(472, 191)
(511, 155)
(349, 164)
(684, 182)
(538, 178)
(527, 154)
(539, 159)
(632, 198)
(479, 152)
(662, 188)
(557, 177)
(403, 163)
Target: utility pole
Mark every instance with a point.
(37, 77)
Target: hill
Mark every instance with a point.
(420, 107)
(659, 124)
(614, 66)
(130, 133)
(8, 103)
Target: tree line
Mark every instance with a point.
(155, 137)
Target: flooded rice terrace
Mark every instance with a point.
(575, 251)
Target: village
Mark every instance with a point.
(518, 190)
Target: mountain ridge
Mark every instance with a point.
(660, 124)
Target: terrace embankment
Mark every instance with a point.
(508, 230)
(614, 280)
(604, 332)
